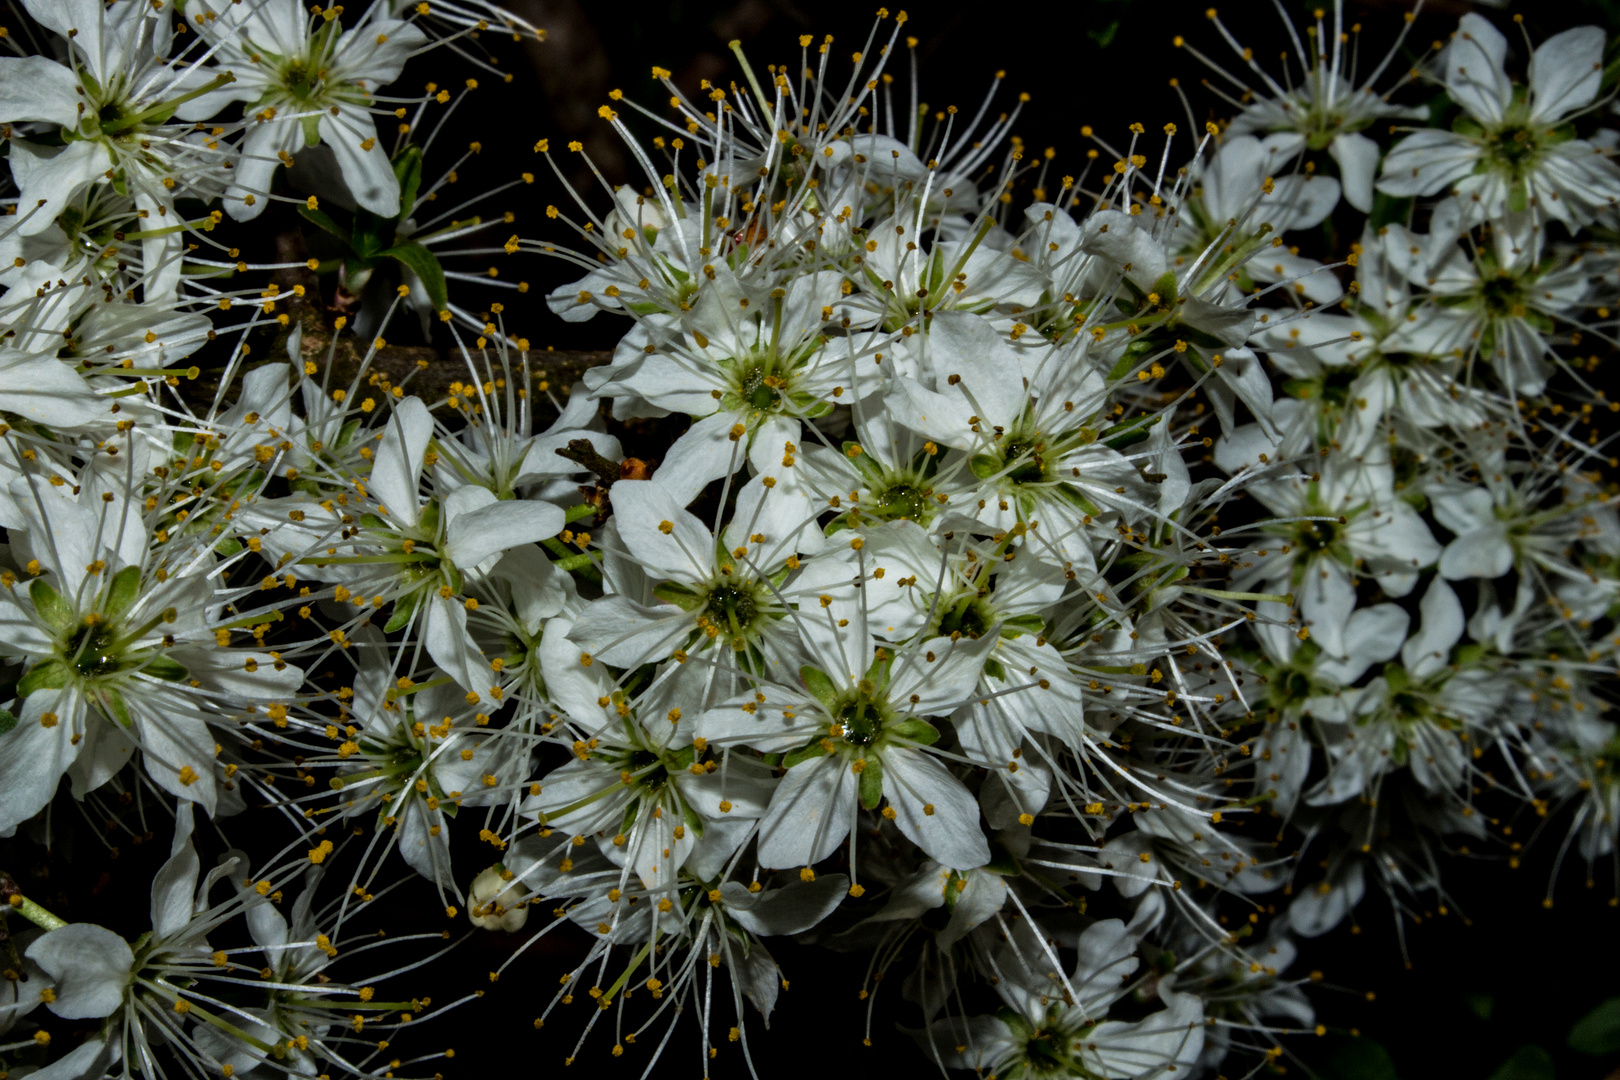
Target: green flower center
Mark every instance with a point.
(904, 501)
(861, 716)
(1513, 148)
(968, 616)
(732, 606)
(758, 390)
(1023, 459)
(1502, 296)
(1315, 536)
(300, 82)
(93, 650)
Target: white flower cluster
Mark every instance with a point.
(1046, 569)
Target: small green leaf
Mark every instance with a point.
(1360, 1059)
(1388, 210)
(323, 220)
(1002, 861)
(408, 170)
(50, 606)
(1527, 1063)
(820, 686)
(46, 675)
(424, 265)
(872, 783)
(1598, 1032)
(8, 720)
(125, 588)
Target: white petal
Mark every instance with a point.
(683, 552)
(174, 888)
(257, 163)
(792, 909)
(574, 683)
(38, 88)
(621, 632)
(1426, 161)
(964, 345)
(1164, 1045)
(398, 466)
(940, 673)
(53, 181)
(444, 630)
(33, 757)
(810, 814)
(368, 173)
(91, 966)
(933, 809)
(87, 1061)
(1483, 553)
(1474, 74)
(427, 854)
(173, 738)
(1372, 636)
(704, 454)
(1357, 157)
(1106, 958)
(473, 536)
(1565, 73)
(1428, 650)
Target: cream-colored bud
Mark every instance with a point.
(495, 904)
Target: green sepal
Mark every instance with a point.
(808, 752)
(692, 820)
(917, 731)
(50, 606)
(312, 130)
(1002, 861)
(1120, 436)
(682, 596)
(8, 720)
(872, 783)
(161, 667)
(45, 675)
(1166, 288)
(125, 588)
(1022, 624)
(426, 266)
(820, 686)
(404, 608)
(119, 710)
(628, 821)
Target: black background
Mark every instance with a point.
(1106, 63)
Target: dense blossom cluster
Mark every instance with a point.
(1063, 593)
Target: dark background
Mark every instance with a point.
(1475, 990)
